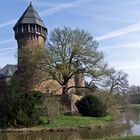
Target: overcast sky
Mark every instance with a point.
(115, 24)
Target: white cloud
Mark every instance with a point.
(49, 11)
(8, 49)
(8, 53)
(129, 66)
(41, 3)
(126, 65)
(11, 22)
(63, 6)
(122, 5)
(120, 32)
(129, 3)
(130, 45)
(52, 10)
(6, 41)
(108, 18)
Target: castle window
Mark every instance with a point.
(22, 28)
(28, 28)
(42, 31)
(35, 28)
(25, 28)
(39, 29)
(31, 28)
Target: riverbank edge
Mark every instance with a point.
(114, 125)
(134, 106)
(121, 138)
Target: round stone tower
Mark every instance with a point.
(79, 77)
(30, 31)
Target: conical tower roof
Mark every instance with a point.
(30, 16)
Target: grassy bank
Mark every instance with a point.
(73, 122)
(122, 138)
(135, 106)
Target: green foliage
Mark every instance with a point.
(91, 106)
(2, 123)
(52, 107)
(19, 105)
(30, 67)
(20, 109)
(71, 52)
(113, 102)
(28, 108)
(73, 122)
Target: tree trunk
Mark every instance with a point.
(111, 89)
(64, 88)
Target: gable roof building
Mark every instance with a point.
(8, 71)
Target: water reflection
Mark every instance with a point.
(132, 116)
(40, 136)
(73, 135)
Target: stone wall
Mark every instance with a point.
(52, 86)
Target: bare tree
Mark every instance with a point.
(116, 81)
(133, 89)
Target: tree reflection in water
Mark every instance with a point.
(132, 116)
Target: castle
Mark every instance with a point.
(31, 31)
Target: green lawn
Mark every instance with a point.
(135, 106)
(123, 138)
(74, 122)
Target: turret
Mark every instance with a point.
(79, 77)
(30, 31)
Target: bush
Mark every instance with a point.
(28, 109)
(91, 106)
(51, 107)
(21, 109)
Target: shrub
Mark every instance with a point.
(91, 106)
(21, 109)
(29, 109)
(51, 107)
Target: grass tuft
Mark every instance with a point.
(74, 122)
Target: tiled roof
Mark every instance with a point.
(8, 71)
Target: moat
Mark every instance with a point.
(131, 116)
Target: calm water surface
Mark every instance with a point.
(131, 116)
